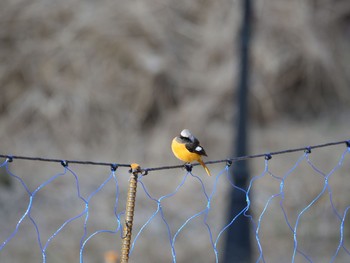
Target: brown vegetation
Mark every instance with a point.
(116, 80)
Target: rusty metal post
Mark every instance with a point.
(129, 213)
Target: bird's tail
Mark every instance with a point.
(205, 167)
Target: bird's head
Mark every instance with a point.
(187, 135)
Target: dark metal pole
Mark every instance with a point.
(238, 244)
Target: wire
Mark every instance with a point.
(62, 161)
(246, 157)
(146, 170)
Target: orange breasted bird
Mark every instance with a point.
(187, 148)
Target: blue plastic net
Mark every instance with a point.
(273, 207)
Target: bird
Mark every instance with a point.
(187, 148)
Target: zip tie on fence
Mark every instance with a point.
(188, 167)
(348, 143)
(129, 213)
(268, 156)
(146, 170)
(307, 150)
(64, 163)
(114, 167)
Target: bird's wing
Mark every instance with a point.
(194, 147)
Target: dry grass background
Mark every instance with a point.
(115, 81)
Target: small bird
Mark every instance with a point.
(186, 147)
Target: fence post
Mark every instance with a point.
(129, 213)
(238, 244)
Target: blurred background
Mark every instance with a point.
(115, 81)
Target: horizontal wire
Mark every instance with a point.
(246, 157)
(234, 159)
(306, 148)
(41, 159)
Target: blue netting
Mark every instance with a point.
(204, 212)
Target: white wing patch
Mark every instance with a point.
(198, 149)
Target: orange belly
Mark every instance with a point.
(182, 153)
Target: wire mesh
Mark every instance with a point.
(299, 206)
